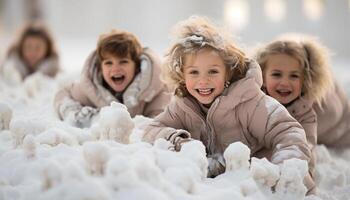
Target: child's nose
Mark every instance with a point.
(285, 81)
(204, 79)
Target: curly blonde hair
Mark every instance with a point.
(313, 58)
(191, 36)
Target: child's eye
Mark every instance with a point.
(276, 74)
(213, 71)
(193, 72)
(108, 62)
(295, 76)
(124, 61)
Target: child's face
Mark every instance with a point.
(34, 50)
(283, 78)
(118, 72)
(204, 75)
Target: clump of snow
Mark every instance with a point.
(29, 146)
(265, 173)
(114, 123)
(21, 127)
(290, 184)
(237, 156)
(5, 116)
(96, 156)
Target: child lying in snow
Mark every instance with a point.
(34, 51)
(296, 72)
(118, 70)
(218, 100)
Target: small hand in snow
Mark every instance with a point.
(84, 117)
(216, 165)
(179, 141)
(178, 138)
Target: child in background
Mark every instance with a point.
(296, 72)
(218, 101)
(118, 70)
(34, 51)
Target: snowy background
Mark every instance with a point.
(44, 158)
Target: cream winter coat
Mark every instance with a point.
(15, 68)
(146, 95)
(333, 116)
(301, 109)
(242, 113)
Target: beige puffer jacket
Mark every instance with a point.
(333, 116)
(242, 113)
(146, 95)
(13, 64)
(302, 110)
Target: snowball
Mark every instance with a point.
(291, 183)
(114, 123)
(237, 156)
(195, 150)
(264, 172)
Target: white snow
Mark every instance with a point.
(44, 158)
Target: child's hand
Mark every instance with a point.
(178, 138)
(216, 165)
(179, 141)
(84, 117)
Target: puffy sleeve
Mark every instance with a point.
(167, 125)
(273, 126)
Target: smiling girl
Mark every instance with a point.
(296, 73)
(218, 101)
(118, 70)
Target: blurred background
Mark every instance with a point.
(76, 24)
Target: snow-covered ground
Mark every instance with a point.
(44, 158)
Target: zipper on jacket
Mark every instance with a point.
(209, 125)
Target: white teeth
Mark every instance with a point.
(204, 91)
(117, 76)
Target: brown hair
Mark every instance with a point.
(119, 43)
(194, 34)
(34, 29)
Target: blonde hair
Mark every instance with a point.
(192, 35)
(313, 58)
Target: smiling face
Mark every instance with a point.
(204, 75)
(283, 78)
(118, 72)
(34, 50)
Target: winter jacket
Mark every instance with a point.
(241, 113)
(13, 64)
(333, 116)
(146, 95)
(301, 109)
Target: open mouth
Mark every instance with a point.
(206, 91)
(118, 79)
(284, 92)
